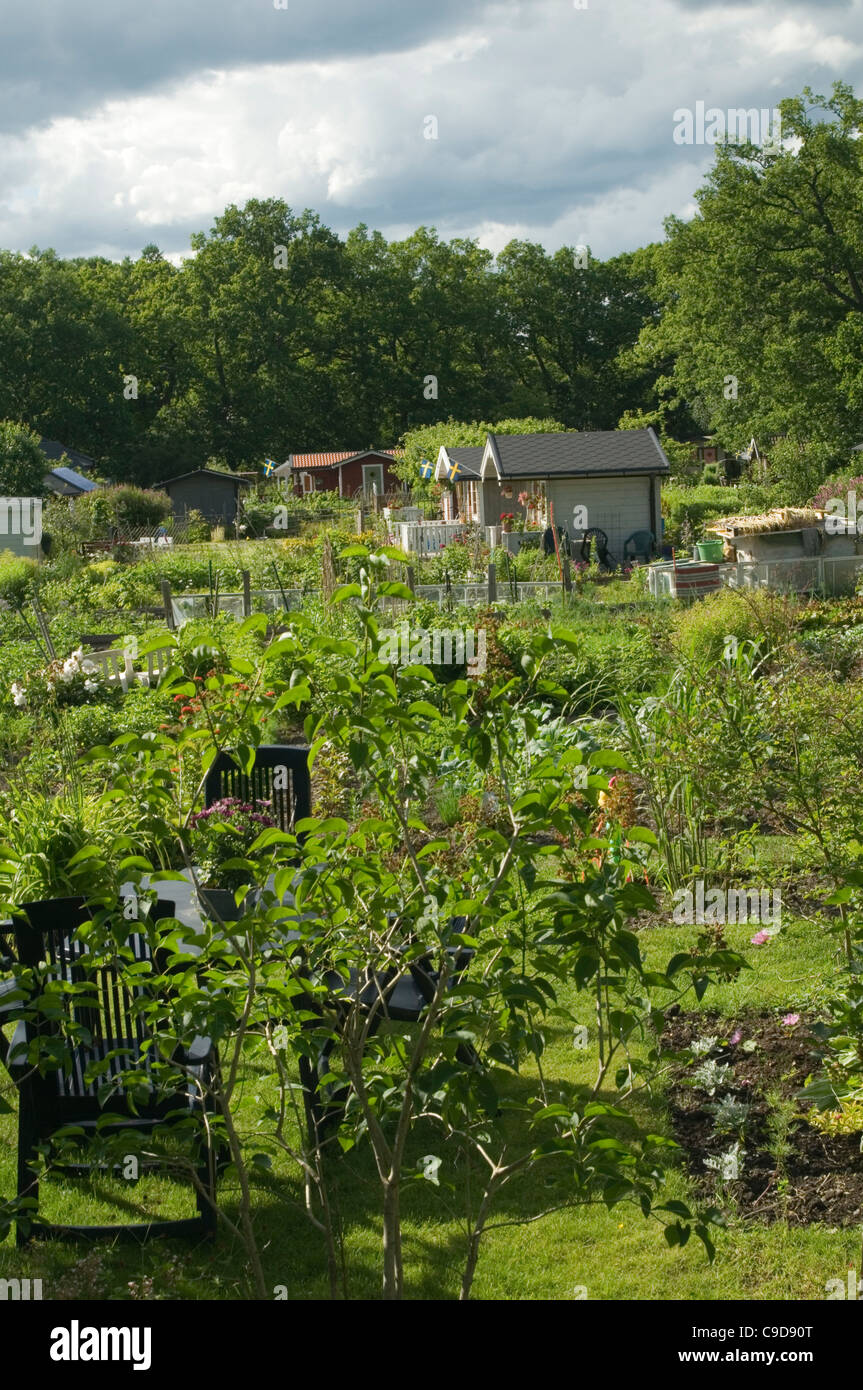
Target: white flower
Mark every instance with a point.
(88, 666)
(70, 669)
(91, 686)
(77, 654)
(18, 695)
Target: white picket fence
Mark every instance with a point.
(427, 537)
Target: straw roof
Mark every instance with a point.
(779, 519)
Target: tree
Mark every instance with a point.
(762, 291)
(425, 441)
(572, 317)
(22, 464)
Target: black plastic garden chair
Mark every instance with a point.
(112, 1031)
(605, 559)
(280, 775)
(8, 986)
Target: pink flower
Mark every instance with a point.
(790, 1019)
(735, 1038)
(760, 938)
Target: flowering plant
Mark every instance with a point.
(73, 681)
(506, 520)
(226, 831)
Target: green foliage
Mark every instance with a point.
(22, 464)
(702, 630)
(125, 508)
(687, 510)
(61, 846)
(763, 286)
(17, 578)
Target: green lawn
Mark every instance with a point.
(617, 1255)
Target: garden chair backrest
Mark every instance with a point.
(102, 1004)
(159, 661)
(280, 775)
(641, 543)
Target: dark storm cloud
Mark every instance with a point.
(555, 122)
(59, 57)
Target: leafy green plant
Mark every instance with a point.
(66, 846)
(498, 937)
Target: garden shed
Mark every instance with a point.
(786, 533)
(609, 479)
(346, 472)
(460, 466)
(206, 490)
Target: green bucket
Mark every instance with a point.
(710, 551)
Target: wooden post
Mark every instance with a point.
(567, 577)
(247, 593)
(410, 578)
(360, 521)
(492, 584)
(166, 601)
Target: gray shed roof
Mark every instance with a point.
(237, 478)
(468, 456)
(54, 450)
(68, 482)
(577, 454)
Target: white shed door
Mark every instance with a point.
(618, 506)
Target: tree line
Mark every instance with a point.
(276, 335)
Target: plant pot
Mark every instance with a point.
(710, 551)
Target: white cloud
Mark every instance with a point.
(796, 37)
(554, 124)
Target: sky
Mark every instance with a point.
(547, 120)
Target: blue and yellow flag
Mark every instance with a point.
(426, 469)
(453, 471)
(270, 466)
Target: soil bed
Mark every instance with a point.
(820, 1179)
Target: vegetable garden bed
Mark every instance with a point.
(818, 1177)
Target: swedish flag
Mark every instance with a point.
(453, 471)
(426, 468)
(270, 466)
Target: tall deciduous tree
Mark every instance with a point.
(762, 291)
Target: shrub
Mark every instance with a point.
(837, 487)
(17, 577)
(124, 508)
(697, 506)
(757, 615)
(198, 528)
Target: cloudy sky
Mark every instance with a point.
(127, 124)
